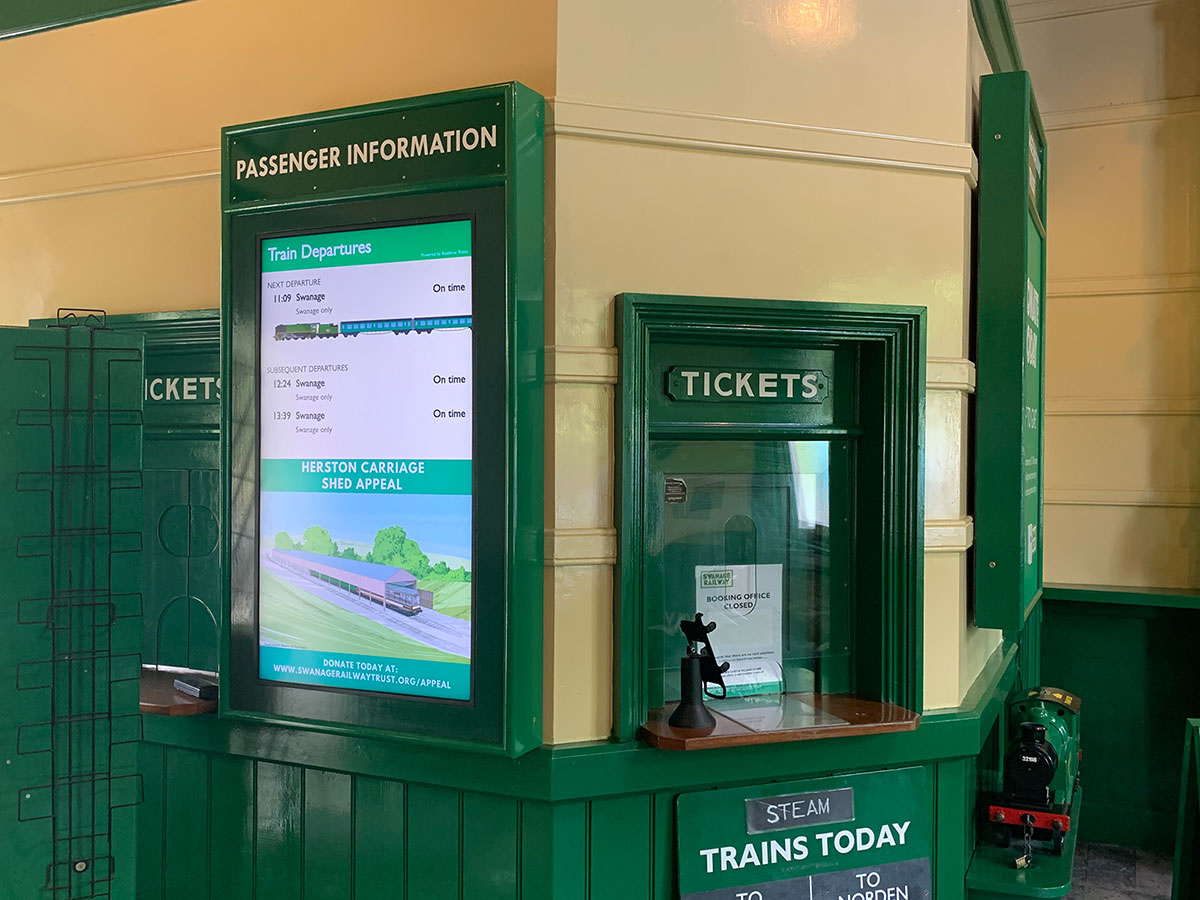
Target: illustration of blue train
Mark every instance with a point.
(420, 325)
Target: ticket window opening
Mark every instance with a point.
(755, 535)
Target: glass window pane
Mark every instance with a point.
(746, 537)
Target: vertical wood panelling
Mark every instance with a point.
(490, 847)
(185, 874)
(619, 846)
(151, 826)
(231, 828)
(328, 835)
(379, 838)
(279, 831)
(434, 842)
(953, 844)
(554, 840)
(662, 845)
(1029, 660)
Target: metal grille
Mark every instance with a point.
(90, 429)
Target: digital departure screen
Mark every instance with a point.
(365, 503)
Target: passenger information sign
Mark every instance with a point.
(365, 550)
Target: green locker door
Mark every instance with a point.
(70, 620)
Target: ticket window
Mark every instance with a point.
(789, 518)
(747, 540)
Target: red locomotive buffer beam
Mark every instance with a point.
(1008, 815)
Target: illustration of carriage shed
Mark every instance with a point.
(387, 586)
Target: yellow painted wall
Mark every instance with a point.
(755, 148)
(109, 162)
(1119, 89)
(764, 148)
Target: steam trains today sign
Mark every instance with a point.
(850, 837)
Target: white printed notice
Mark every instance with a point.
(746, 603)
(365, 460)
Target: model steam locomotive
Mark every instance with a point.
(421, 325)
(1041, 771)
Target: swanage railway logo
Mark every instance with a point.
(719, 579)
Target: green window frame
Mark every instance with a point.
(879, 358)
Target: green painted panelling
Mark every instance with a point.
(433, 828)
(602, 768)
(328, 835)
(664, 872)
(185, 877)
(374, 837)
(1170, 598)
(231, 828)
(278, 852)
(152, 827)
(491, 828)
(1138, 674)
(1029, 660)
(312, 834)
(619, 840)
(379, 837)
(182, 584)
(953, 808)
(554, 857)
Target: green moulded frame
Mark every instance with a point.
(22, 17)
(502, 194)
(1007, 586)
(889, 342)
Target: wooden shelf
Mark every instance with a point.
(159, 697)
(794, 717)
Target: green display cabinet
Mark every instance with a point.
(71, 539)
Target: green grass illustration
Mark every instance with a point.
(295, 618)
(450, 597)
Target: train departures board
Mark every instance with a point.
(383, 328)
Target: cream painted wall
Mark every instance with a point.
(756, 148)
(768, 148)
(1119, 89)
(108, 166)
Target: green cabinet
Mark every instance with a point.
(70, 620)
(1010, 332)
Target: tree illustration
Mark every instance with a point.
(283, 541)
(317, 540)
(394, 548)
